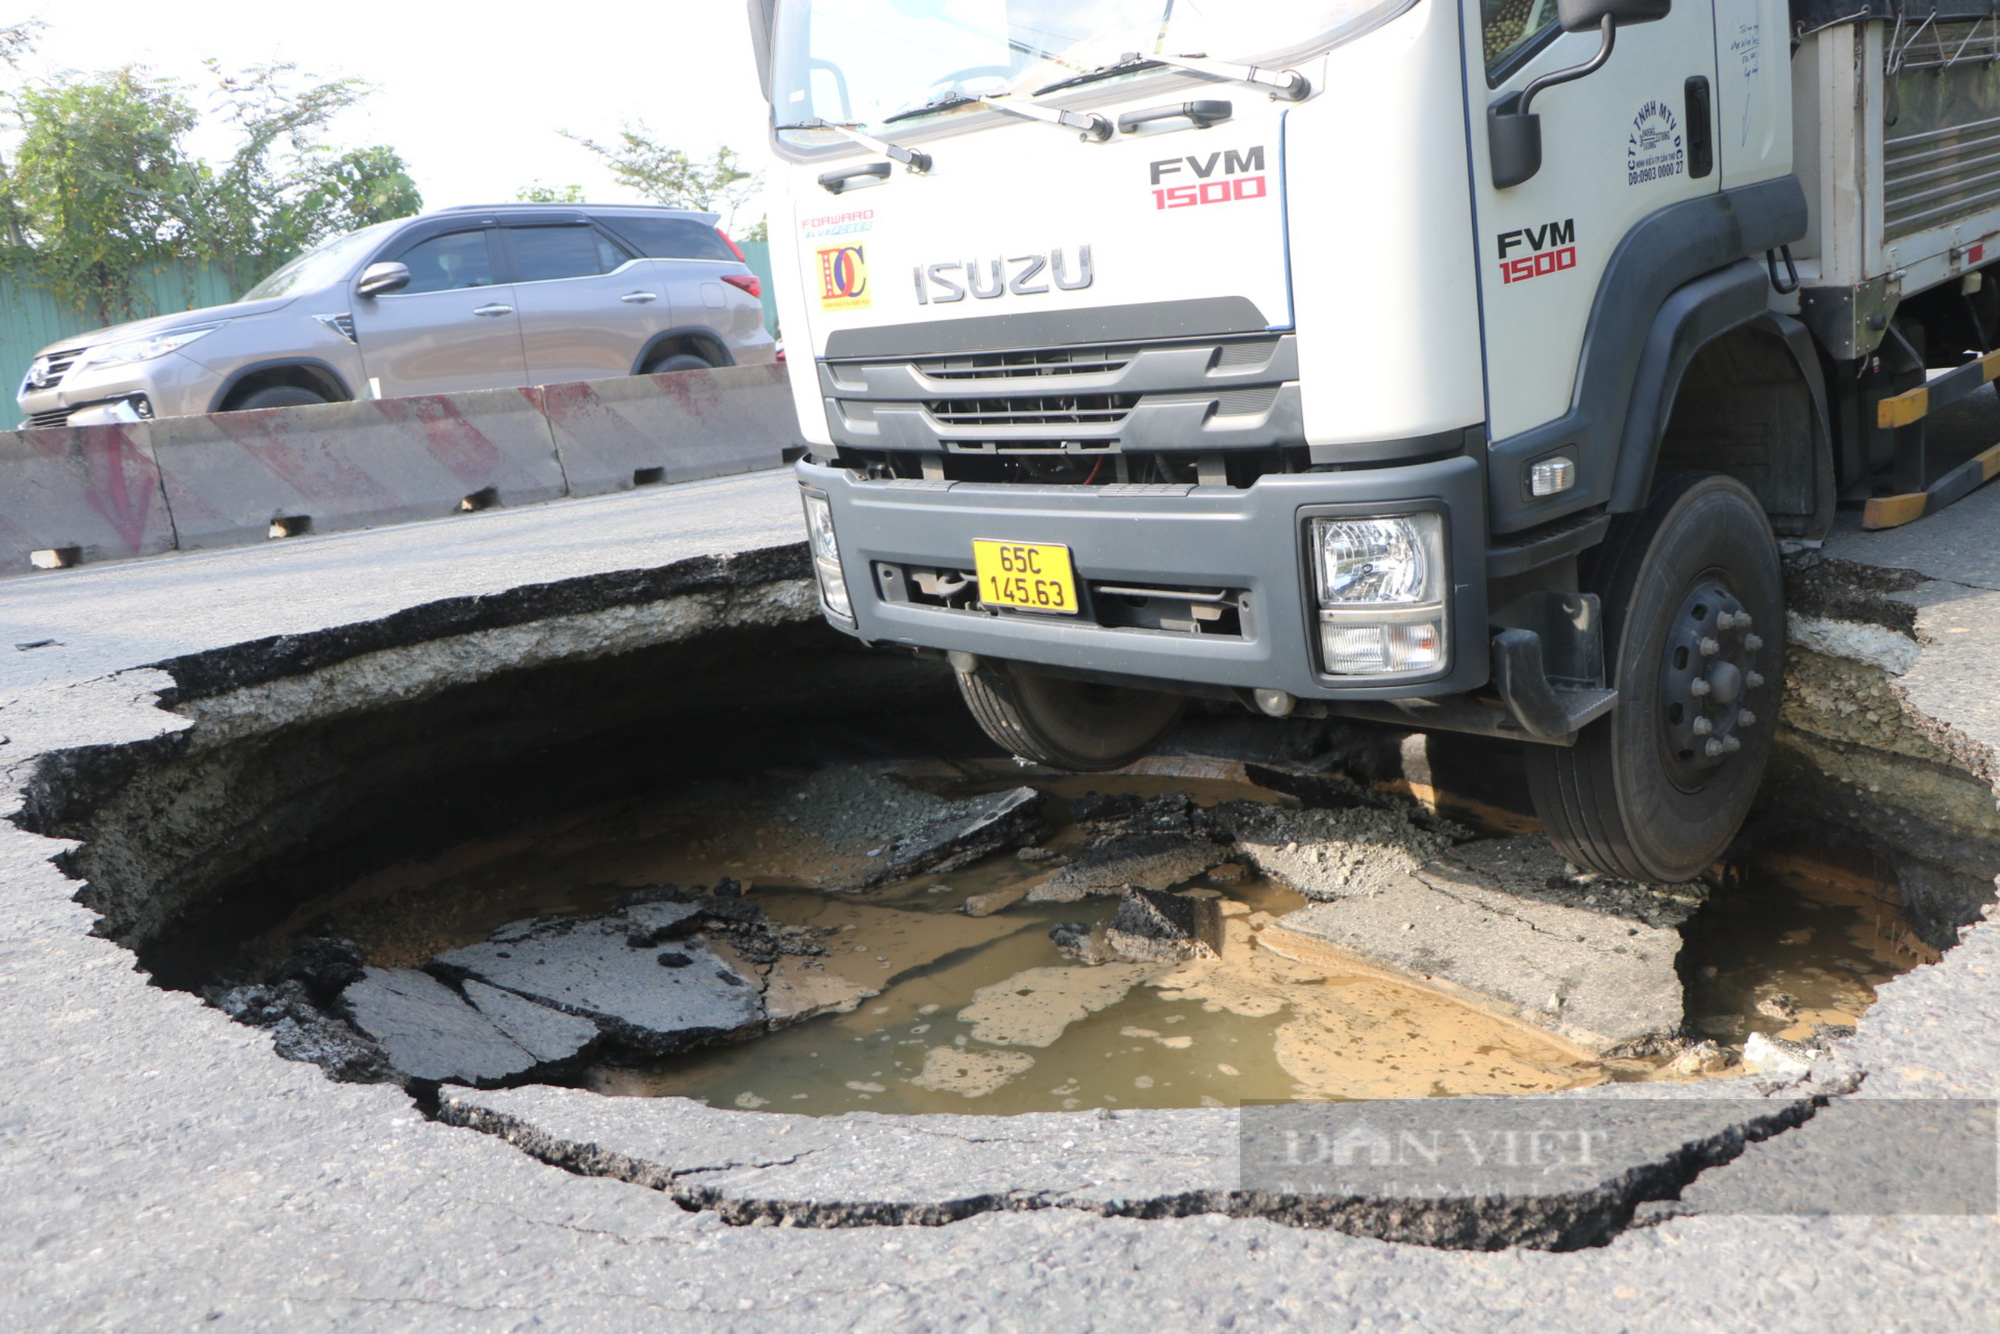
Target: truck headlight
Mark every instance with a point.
(1381, 590)
(826, 556)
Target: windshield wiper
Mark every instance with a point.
(1094, 128)
(916, 161)
(1286, 85)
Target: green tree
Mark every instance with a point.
(103, 183)
(670, 176)
(284, 190)
(16, 41)
(342, 193)
(549, 194)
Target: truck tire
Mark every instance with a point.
(1064, 724)
(1694, 625)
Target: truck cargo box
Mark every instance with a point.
(1896, 122)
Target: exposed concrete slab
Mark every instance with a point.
(1330, 854)
(430, 1032)
(1502, 923)
(650, 999)
(796, 990)
(865, 830)
(963, 832)
(1597, 979)
(550, 1036)
(1153, 924)
(1149, 860)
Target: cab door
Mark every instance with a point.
(1617, 145)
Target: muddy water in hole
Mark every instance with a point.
(986, 1015)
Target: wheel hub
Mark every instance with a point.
(1707, 679)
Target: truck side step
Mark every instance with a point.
(1960, 482)
(1908, 409)
(1550, 712)
(1905, 413)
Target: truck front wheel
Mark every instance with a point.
(1694, 621)
(1063, 724)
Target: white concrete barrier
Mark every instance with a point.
(617, 434)
(78, 495)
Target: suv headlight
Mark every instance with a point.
(826, 556)
(1381, 591)
(142, 349)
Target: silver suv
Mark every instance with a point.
(468, 298)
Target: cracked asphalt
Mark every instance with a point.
(161, 1168)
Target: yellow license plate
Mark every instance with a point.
(1026, 575)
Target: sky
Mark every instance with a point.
(472, 96)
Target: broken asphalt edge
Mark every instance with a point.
(1554, 1222)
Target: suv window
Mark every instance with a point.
(563, 251)
(449, 262)
(1511, 25)
(673, 238)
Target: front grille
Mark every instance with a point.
(54, 417)
(1017, 365)
(1075, 410)
(1177, 396)
(59, 366)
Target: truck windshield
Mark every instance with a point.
(858, 62)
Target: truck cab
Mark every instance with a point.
(1459, 366)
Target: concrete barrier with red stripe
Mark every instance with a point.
(239, 477)
(617, 434)
(76, 495)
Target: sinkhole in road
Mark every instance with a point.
(758, 866)
(1007, 972)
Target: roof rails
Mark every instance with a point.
(520, 205)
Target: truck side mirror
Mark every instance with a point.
(381, 279)
(1513, 131)
(1514, 142)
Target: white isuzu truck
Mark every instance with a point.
(1456, 365)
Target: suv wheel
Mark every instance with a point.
(279, 396)
(679, 362)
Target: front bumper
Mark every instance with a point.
(172, 386)
(1249, 542)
